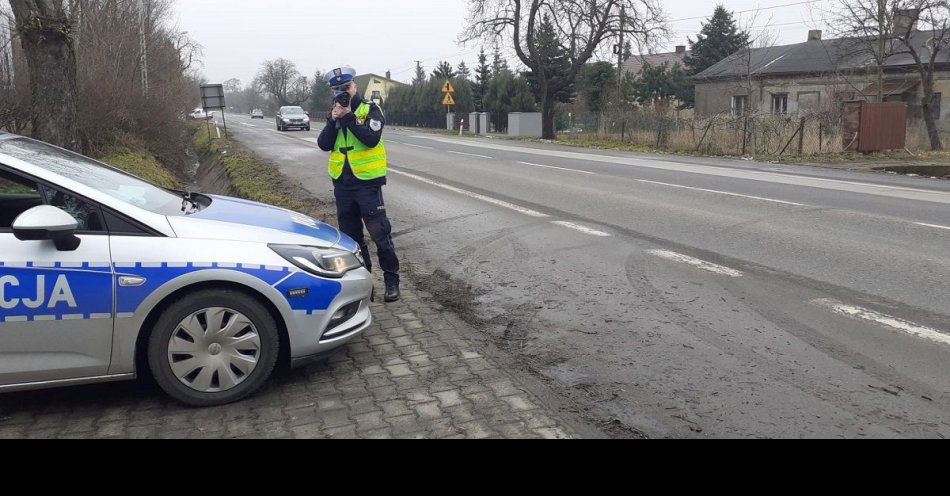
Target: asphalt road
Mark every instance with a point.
(677, 296)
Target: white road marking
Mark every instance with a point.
(558, 168)
(885, 320)
(578, 227)
(721, 192)
(419, 146)
(695, 262)
(920, 194)
(935, 226)
(468, 154)
(246, 124)
(493, 201)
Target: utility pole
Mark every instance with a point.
(882, 28)
(620, 51)
(143, 43)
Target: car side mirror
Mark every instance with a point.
(47, 223)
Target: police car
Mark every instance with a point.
(104, 276)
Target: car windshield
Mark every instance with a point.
(293, 110)
(98, 176)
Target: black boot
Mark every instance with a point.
(392, 294)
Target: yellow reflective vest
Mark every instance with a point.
(365, 162)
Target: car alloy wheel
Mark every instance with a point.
(214, 350)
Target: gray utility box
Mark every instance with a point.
(524, 124)
(478, 122)
(450, 121)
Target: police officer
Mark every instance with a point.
(353, 136)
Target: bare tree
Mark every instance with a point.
(866, 28)
(926, 38)
(46, 36)
(280, 79)
(581, 28)
(884, 31)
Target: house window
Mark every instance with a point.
(376, 96)
(740, 105)
(780, 103)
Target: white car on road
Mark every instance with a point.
(200, 114)
(103, 274)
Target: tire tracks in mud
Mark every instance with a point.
(840, 399)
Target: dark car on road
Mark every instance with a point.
(292, 118)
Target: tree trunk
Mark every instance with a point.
(51, 59)
(548, 130)
(926, 105)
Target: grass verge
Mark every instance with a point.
(142, 164)
(254, 178)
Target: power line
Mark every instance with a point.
(763, 26)
(753, 10)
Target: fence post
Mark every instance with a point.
(801, 136)
(745, 133)
(623, 130)
(821, 136)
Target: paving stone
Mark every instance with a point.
(519, 403)
(429, 411)
(449, 398)
(400, 370)
(476, 429)
(370, 421)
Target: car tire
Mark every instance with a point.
(308, 129)
(232, 375)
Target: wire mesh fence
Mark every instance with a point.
(750, 135)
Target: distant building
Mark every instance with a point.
(6, 56)
(375, 87)
(817, 75)
(634, 65)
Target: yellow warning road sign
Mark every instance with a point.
(448, 88)
(448, 99)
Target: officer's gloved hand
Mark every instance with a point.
(348, 119)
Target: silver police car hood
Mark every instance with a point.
(234, 219)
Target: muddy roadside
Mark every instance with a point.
(232, 169)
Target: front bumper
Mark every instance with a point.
(298, 125)
(312, 334)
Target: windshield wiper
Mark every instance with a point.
(188, 201)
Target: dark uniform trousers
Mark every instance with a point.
(354, 206)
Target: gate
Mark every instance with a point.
(872, 127)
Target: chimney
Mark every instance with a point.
(905, 21)
(680, 49)
(814, 35)
(389, 75)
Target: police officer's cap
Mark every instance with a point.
(340, 76)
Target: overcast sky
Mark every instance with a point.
(380, 35)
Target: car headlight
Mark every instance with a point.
(325, 262)
(286, 120)
(306, 119)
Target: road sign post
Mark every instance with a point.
(448, 101)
